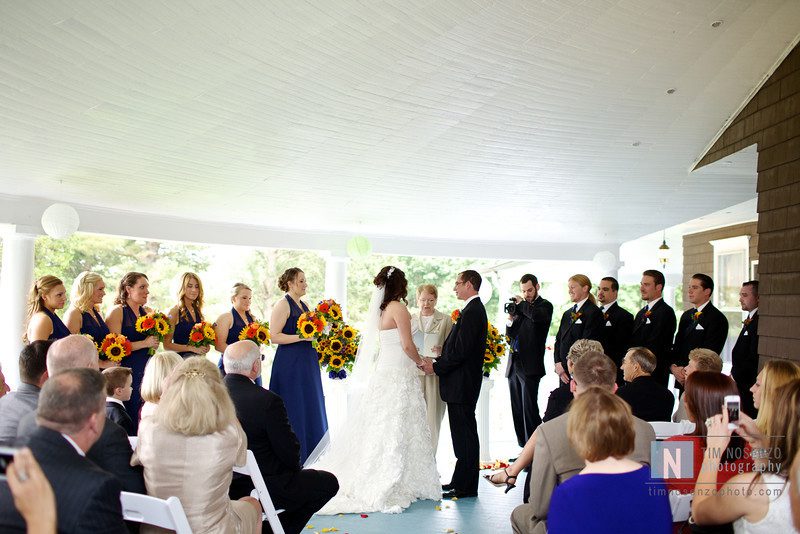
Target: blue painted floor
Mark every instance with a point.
(489, 512)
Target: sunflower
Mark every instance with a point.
(348, 333)
(335, 312)
(322, 358)
(162, 327)
(488, 357)
(262, 334)
(115, 352)
(208, 332)
(350, 349)
(499, 349)
(336, 345)
(307, 329)
(336, 362)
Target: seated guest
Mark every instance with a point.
(32, 492)
(649, 400)
(705, 393)
(556, 405)
(600, 429)
(71, 416)
(764, 506)
(300, 492)
(157, 369)
(554, 459)
(118, 390)
(23, 401)
(112, 452)
(196, 422)
(699, 360)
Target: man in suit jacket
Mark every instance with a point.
(554, 459)
(528, 334)
(745, 352)
(300, 492)
(654, 325)
(582, 321)
(19, 403)
(71, 415)
(649, 400)
(460, 371)
(702, 326)
(617, 323)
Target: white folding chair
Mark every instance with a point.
(134, 440)
(162, 513)
(680, 505)
(667, 429)
(270, 514)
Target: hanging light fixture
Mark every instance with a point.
(664, 252)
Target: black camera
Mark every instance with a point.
(510, 307)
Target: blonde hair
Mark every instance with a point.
(158, 368)
(428, 288)
(198, 303)
(83, 289)
(40, 288)
(600, 425)
(706, 360)
(237, 288)
(783, 441)
(582, 347)
(196, 402)
(583, 280)
(774, 374)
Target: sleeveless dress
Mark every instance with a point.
(60, 330)
(233, 336)
(779, 514)
(136, 361)
(383, 455)
(94, 325)
(296, 379)
(184, 326)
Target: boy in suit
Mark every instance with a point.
(119, 382)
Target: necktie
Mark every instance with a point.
(574, 308)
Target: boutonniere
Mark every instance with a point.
(696, 316)
(648, 313)
(576, 315)
(747, 321)
(605, 316)
(455, 316)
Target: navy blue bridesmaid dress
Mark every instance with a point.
(184, 326)
(136, 361)
(233, 336)
(296, 378)
(60, 330)
(94, 325)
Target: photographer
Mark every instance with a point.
(529, 322)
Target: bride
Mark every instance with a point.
(382, 455)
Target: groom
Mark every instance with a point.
(460, 370)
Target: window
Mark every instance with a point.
(731, 269)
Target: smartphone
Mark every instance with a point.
(732, 403)
(6, 457)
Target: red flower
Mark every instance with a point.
(148, 323)
(196, 337)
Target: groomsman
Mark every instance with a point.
(582, 321)
(703, 326)
(617, 321)
(745, 352)
(654, 325)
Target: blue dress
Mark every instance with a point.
(60, 330)
(233, 336)
(296, 378)
(184, 326)
(136, 361)
(94, 325)
(591, 503)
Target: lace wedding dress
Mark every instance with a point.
(382, 456)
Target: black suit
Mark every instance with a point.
(87, 498)
(649, 399)
(655, 332)
(460, 371)
(300, 492)
(112, 452)
(528, 334)
(617, 328)
(117, 413)
(588, 325)
(745, 363)
(708, 331)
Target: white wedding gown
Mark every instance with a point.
(383, 456)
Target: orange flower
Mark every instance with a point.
(148, 323)
(197, 337)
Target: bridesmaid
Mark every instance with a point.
(230, 324)
(83, 315)
(129, 306)
(185, 315)
(295, 371)
(46, 296)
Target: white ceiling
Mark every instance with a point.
(485, 120)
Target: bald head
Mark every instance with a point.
(70, 352)
(240, 357)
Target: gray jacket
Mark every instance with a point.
(13, 407)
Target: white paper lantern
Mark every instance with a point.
(606, 260)
(359, 247)
(60, 221)
(485, 292)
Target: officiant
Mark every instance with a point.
(430, 328)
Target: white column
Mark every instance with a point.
(16, 278)
(336, 279)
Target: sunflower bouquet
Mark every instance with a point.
(153, 324)
(496, 348)
(330, 310)
(114, 347)
(202, 335)
(257, 332)
(311, 324)
(337, 349)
